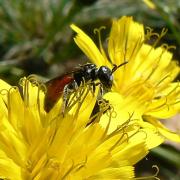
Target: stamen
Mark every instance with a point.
(163, 79)
(150, 33)
(151, 177)
(98, 32)
(26, 94)
(163, 33)
(175, 103)
(122, 131)
(173, 90)
(157, 61)
(168, 47)
(151, 73)
(33, 81)
(3, 92)
(137, 131)
(120, 128)
(107, 128)
(122, 140)
(103, 107)
(136, 48)
(126, 40)
(119, 140)
(79, 166)
(160, 106)
(13, 88)
(168, 99)
(77, 97)
(144, 132)
(81, 100)
(74, 168)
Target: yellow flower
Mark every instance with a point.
(144, 85)
(39, 145)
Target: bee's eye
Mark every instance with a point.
(105, 76)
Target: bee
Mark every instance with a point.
(65, 84)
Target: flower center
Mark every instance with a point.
(141, 91)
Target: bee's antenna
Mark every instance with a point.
(116, 67)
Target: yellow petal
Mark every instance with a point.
(88, 47)
(173, 136)
(4, 85)
(124, 36)
(12, 142)
(115, 173)
(167, 103)
(136, 149)
(151, 135)
(4, 88)
(8, 169)
(122, 110)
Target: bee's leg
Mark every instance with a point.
(101, 91)
(102, 105)
(68, 90)
(93, 88)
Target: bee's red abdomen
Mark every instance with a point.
(55, 89)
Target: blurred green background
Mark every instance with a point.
(35, 38)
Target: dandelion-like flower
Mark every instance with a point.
(145, 84)
(39, 145)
